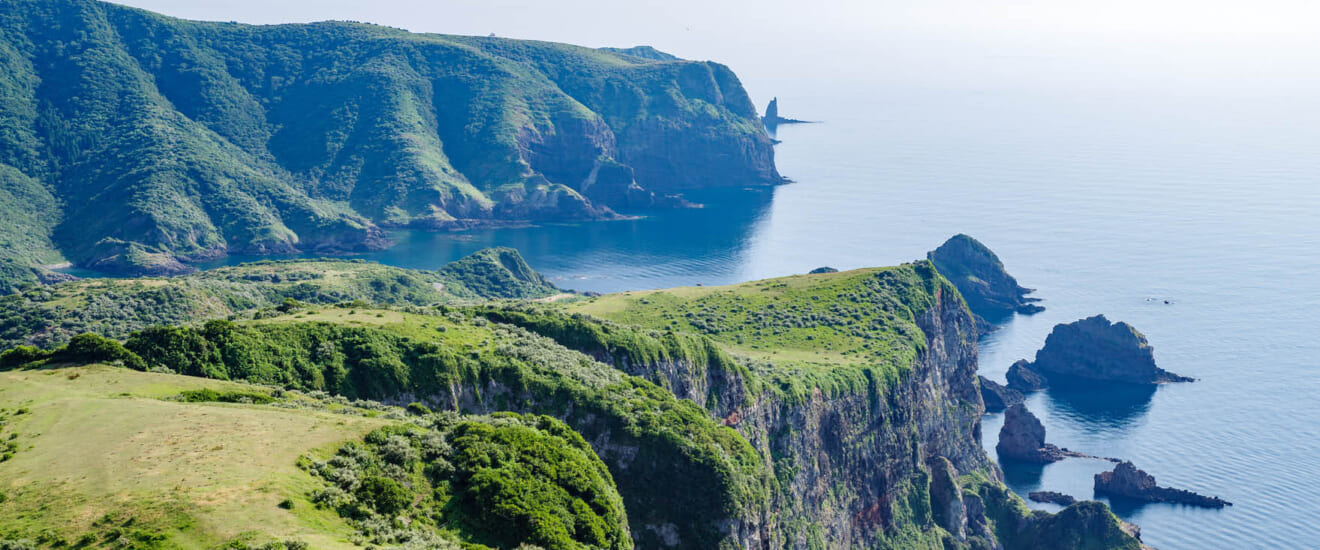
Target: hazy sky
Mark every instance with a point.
(1086, 44)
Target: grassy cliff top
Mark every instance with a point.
(864, 316)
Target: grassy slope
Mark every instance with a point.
(807, 331)
(49, 316)
(100, 440)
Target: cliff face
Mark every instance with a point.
(145, 142)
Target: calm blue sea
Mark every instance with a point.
(1111, 202)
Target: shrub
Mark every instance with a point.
(384, 495)
(418, 409)
(22, 355)
(94, 348)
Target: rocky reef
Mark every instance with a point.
(990, 291)
(996, 396)
(1127, 481)
(1051, 497)
(1092, 349)
(1023, 438)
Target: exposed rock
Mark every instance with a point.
(825, 269)
(1095, 349)
(1051, 497)
(990, 291)
(1022, 378)
(996, 396)
(772, 118)
(947, 505)
(1130, 482)
(1023, 438)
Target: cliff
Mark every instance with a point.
(136, 143)
(981, 278)
(815, 411)
(1093, 349)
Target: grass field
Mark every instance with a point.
(102, 454)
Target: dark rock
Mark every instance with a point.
(772, 118)
(1023, 438)
(1129, 482)
(996, 396)
(1095, 349)
(1051, 497)
(820, 270)
(1022, 378)
(981, 279)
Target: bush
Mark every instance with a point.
(22, 355)
(94, 348)
(418, 409)
(384, 495)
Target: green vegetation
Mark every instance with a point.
(134, 143)
(1085, 525)
(498, 481)
(109, 458)
(374, 354)
(837, 332)
(49, 316)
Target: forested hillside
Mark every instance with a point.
(132, 143)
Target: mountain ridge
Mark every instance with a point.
(143, 142)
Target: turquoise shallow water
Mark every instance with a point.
(1106, 204)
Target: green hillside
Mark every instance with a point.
(133, 143)
(48, 316)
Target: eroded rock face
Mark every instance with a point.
(996, 396)
(1023, 438)
(1096, 349)
(1126, 480)
(1022, 378)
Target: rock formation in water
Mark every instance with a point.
(1126, 480)
(821, 270)
(1022, 378)
(1051, 497)
(996, 396)
(990, 291)
(1023, 438)
(772, 118)
(1093, 349)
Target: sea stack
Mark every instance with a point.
(1130, 482)
(1023, 438)
(1022, 378)
(990, 292)
(1093, 349)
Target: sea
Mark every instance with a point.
(1184, 200)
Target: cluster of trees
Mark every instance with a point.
(503, 480)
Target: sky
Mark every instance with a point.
(1271, 46)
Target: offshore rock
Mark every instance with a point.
(1128, 481)
(1051, 497)
(1023, 438)
(1022, 378)
(996, 396)
(821, 270)
(990, 291)
(1095, 349)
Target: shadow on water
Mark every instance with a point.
(1023, 476)
(1100, 404)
